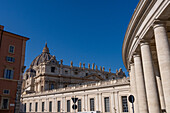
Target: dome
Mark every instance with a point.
(43, 57)
(31, 70)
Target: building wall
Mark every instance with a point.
(114, 89)
(18, 42)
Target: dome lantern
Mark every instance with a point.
(45, 49)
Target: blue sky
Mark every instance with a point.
(87, 31)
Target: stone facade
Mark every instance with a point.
(115, 90)
(49, 81)
(146, 55)
(46, 73)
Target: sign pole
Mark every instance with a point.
(133, 107)
(131, 100)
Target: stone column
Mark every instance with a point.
(116, 102)
(150, 79)
(141, 94)
(159, 85)
(133, 87)
(64, 104)
(112, 103)
(86, 100)
(100, 102)
(163, 52)
(47, 105)
(97, 102)
(40, 105)
(83, 103)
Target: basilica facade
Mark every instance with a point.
(46, 73)
(48, 86)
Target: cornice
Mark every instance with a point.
(137, 17)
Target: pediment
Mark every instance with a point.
(94, 77)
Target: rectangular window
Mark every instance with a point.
(50, 106)
(10, 59)
(106, 104)
(58, 106)
(5, 103)
(68, 105)
(42, 106)
(25, 107)
(5, 91)
(8, 73)
(124, 104)
(51, 86)
(36, 106)
(11, 49)
(86, 74)
(79, 105)
(30, 107)
(53, 69)
(92, 104)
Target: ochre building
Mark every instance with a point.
(146, 55)
(12, 56)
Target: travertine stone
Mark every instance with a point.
(159, 85)
(133, 87)
(141, 92)
(116, 102)
(150, 79)
(163, 52)
(161, 95)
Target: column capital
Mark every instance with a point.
(131, 63)
(136, 54)
(158, 23)
(144, 42)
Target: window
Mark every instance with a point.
(25, 107)
(5, 103)
(50, 106)
(5, 91)
(51, 86)
(30, 107)
(53, 69)
(42, 88)
(66, 72)
(86, 74)
(76, 71)
(11, 49)
(8, 74)
(68, 105)
(10, 59)
(42, 106)
(106, 104)
(124, 104)
(26, 77)
(58, 106)
(92, 104)
(79, 105)
(36, 106)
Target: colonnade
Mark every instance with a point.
(152, 93)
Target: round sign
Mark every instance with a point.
(74, 106)
(131, 99)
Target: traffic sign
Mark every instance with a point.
(131, 99)
(74, 106)
(74, 100)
